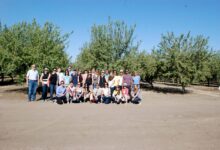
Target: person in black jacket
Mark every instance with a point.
(53, 83)
(102, 80)
(88, 81)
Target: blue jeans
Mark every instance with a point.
(44, 91)
(106, 99)
(52, 89)
(32, 88)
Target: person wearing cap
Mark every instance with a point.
(53, 83)
(32, 79)
(45, 82)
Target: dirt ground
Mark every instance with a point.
(164, 121)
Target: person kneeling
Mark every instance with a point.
(61, 93)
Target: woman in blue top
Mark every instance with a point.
(67, 78)
(136, 80)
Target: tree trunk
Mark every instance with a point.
(2, 77)
(12, 79)
(183, 88)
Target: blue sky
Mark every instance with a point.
(152, 17)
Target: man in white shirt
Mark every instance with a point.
(32, 79)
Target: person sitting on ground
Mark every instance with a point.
(136, 95)
(70, 94)
(125, 93)
(97, 91)
(86, 93)
(61, 93)
(79, 93)
(106, 95)
(117, 95)
(92, 95)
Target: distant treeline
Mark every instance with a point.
(182, 59)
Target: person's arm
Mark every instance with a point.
(38, 80)
(27, 76)
(41, 78)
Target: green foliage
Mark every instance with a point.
(183, 59)
(25, 43)
(110, 47)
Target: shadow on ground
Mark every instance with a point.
(165, 90)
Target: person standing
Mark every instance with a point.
(102, 80)
(32, 79)
(53, 83)
(74, 76)
(127, 81)
(44, 80)
(60, 76)
(136, 80)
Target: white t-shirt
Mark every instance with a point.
(106, 91)
(60, 76)
(32, 74)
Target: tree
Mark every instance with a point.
(183, 58)
(25, 43)
(109, 47)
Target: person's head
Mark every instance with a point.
(110, 78)
(46, 70)
(86, 72)
(121, 72)
(79, 85)
(115, 72)
(33, 67)
(118, 88)
(59, 69)
(106, 72)
(54, 70)
(69, 68)
(67, 73)
(106, 84)
(135, 73)
(71, 84)
(97, 86)
(103, 72)
(90, 72)
(62, 83)
(126, 72)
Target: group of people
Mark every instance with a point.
(90, 86)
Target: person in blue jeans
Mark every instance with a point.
(45, 80)
(32, 80)
(53, 83)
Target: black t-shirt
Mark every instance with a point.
(53, 78)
